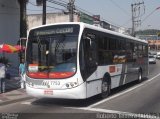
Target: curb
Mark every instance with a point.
(14, 101)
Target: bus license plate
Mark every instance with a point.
(48, 92)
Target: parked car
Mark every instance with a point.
(153, 53)
(158, 56)
(152, 59)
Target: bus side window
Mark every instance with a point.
(82, 60)
(91, 48)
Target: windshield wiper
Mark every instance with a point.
(39, 43)
(60, 45)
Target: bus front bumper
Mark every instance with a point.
(78, 92)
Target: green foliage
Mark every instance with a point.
(148, 32)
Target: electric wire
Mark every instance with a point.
(48, 7)
(123, 10)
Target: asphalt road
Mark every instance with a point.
(130, 101)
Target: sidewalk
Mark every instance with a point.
(13, 92)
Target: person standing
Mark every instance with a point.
(2, 76)
(22, 73)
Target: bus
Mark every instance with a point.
(77, 61)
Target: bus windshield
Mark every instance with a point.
(52, 53)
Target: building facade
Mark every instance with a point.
(10, 27)
(153, 41)
(35, 20)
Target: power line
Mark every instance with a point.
(65, 4)
(55, 8)
(48, 7)
(32, 4)
(33, 10)
(78, 8)
(58, 3)
(90, 13)
(63, 1)
(150, 14)
(124, 11)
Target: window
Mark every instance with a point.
(52, 51)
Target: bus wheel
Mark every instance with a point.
(105, 89)
(140, 76)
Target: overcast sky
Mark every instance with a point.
(117, 12)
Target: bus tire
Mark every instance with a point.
(105, 88)
(140, 76)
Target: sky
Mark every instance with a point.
(116, 12)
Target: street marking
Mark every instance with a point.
(104, 113)
(125, 74)
(26, 103)
(122, 93)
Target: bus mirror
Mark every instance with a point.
(91, 42)
(92, 45)
(88, 40)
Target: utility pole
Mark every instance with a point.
(23, 24)
(44, 13)
(136, 14)
(133, 29)
(71, 8)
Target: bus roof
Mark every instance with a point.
(84, 25)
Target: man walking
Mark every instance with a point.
(22, 73)
(2, 76)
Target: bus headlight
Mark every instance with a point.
(30, 84)
(70, 85)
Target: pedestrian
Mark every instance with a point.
(22, 73)
(2, 75)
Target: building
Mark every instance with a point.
(10, 27)
(105, 25)
(9, 21)
(153, 41)
(34, 20)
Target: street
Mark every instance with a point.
(130, 101)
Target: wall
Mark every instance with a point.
(35, 20)
(9, 26)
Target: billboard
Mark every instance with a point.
(86, 18)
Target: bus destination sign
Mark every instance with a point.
(55, 31)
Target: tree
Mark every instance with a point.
(148, 32)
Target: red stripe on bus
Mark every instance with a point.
(60, 74)
(112, 69)
(56, 75)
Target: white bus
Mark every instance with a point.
(78, 61)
